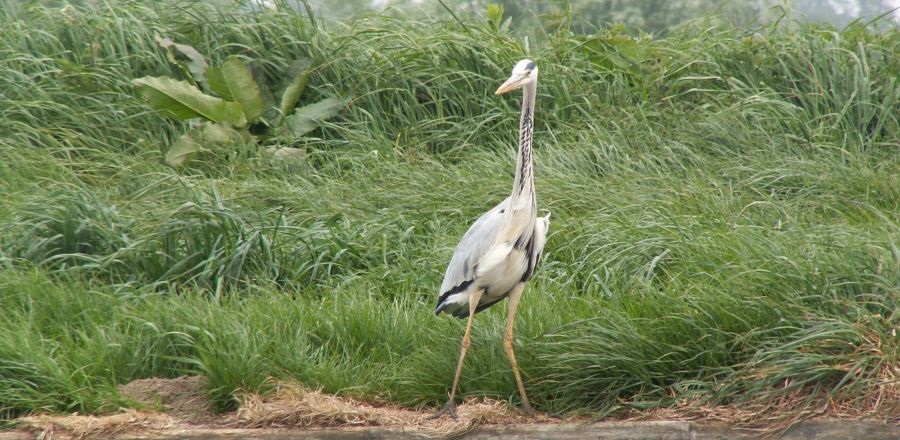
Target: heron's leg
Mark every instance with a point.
(513, 299)
(450, 408)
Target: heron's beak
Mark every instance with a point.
(514, 82)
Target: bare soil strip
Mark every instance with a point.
(177, 409)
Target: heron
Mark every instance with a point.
(499, 252)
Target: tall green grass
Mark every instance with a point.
(725, 215)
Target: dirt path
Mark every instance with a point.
(178, 409)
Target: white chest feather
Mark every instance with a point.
(501, 268)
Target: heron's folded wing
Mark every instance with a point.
(474, 244)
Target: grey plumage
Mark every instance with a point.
(464, 269)
(501, 250)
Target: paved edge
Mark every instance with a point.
(659, 430)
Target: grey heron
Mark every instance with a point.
(500, 251)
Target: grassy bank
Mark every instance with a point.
(725, 216)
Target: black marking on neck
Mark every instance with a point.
(525, 134)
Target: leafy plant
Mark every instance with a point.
(231, 102)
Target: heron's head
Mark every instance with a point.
(523, 74)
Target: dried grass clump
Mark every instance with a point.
(79, 427)
(474, 413)
(772, 416)
(293, 406)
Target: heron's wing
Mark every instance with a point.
(474, 244)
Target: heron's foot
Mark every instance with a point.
(449, 409)
(557, 416)
(529, 412)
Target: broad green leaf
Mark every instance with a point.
(268, 100)
(197, 140)
(294, 159)
(300, 72)
(196, 63)
(283, 153)
(183, 148)
(180, 99)
(234, 81)
(308, 118)
(217, 83)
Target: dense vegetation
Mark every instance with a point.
(724, 234)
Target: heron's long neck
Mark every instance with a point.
(523, 184)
